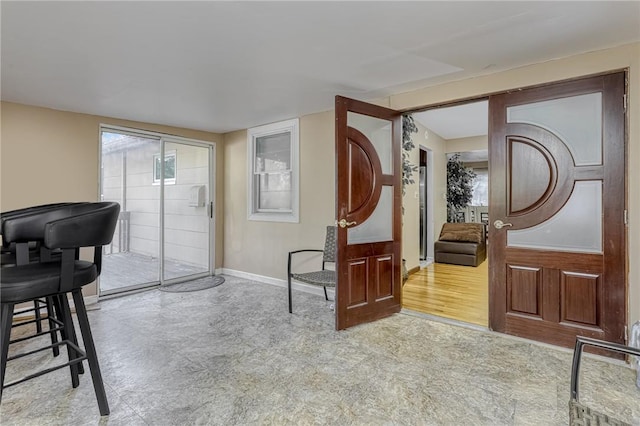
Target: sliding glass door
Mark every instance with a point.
(187, 211)
(164, 187)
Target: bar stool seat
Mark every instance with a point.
(28, 282)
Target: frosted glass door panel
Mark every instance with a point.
(576, 120)
(577, 227)
(186, 216)
(379, 226)
(378, 131)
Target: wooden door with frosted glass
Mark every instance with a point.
(368, 211)
(557, 232)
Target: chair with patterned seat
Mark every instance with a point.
(323, 277)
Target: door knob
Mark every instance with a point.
(343, 223)
(498, 224)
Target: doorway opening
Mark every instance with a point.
(453, 291)
(164, 185)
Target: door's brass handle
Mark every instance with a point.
(498, 224)
(343, 223)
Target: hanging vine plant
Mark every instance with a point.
(459, 187)
(408, 128)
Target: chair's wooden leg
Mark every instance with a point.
(289, 287)
(325, 293)
(92, 356)
(65, 314)
(6, 315)
(52, 325)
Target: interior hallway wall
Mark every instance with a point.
(411, 201)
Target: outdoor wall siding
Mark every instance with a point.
(186, 227)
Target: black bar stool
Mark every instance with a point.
(66, 229)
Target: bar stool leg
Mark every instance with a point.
(38, 314)
(64, 313)
(52, 325)
(6, 318)
(92, 357)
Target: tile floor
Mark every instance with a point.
(233, 355)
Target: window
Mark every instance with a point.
(169, 168)
(273, 172)
(480, 188)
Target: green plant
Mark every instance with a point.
(459, 187)
(408, 127)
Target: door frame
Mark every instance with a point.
(427, 216)
(485, 97)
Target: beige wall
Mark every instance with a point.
(439, 148)
(411, 201)
(52, 156)
(261, 247)
(411, 208)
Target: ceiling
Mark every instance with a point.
(460, 121)
(222, 66)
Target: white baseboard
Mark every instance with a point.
(296, 285)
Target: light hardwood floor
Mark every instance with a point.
(450, 291)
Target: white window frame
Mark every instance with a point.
(292, 127)
(167, 181)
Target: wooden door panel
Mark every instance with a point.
(535, 177)
(358, 273)
(549, 332)
(524, 290)
(580, 298)
(383, 276)
(555, 294)
(363, 168)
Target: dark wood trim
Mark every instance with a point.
(485, 96)
(614, 185)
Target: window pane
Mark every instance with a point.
(156, 167)
(480, 188)
(274, 191)
(170, 167)
(273, 152)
